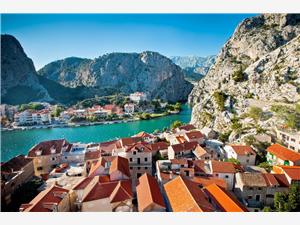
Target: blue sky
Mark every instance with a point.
(49, 37)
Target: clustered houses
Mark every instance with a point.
(30, 117)
(129, 174)
(96, 110)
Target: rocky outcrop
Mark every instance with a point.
(259, 62)
(125, 73)
(194, 67)
(19, 82)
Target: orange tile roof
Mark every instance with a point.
(185, 196)
(51, 196)
(292, 171)
(122, 192)
(94, 167)
(199, 151)
(205, 181)
(148, 193)
(222, 167)
(243, 150)
(129, 141)
(187, 146)
(194, 134)
(181, 139)
(226, 201)
(283, 153)
(120, 164)
(143, 134)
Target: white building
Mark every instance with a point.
(243, 153)
(290, 139)
(138, 97)
(29, 118)
(129, 108)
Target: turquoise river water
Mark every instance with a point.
(20, 141)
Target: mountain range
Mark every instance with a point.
(195, 67)
(72, 79)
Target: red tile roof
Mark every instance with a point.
(83, 183)
(109, 146)
(46, 146)
(158, 146)
(143, 134)
(291, 171)
(186, 196)
(205, 181)
(187, 146)
(275, 180)
(92, 155)
(120, 164)
(148, 193)
(222, 167)
(129, 141)
(283, 153)
(225, 201)
(187, 127)
(194, 134)
(243, 150)
(140, 146)
(122, 192)
(117, 191)
(47, 198)
(15, 164)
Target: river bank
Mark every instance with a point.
(20, 141)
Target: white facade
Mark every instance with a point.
(245, 160)
(138, 97)
(27, 118)
(129, 108)
(290, 140)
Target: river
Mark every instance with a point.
(20, 141)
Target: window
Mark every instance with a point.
(134, 152)
(247, 160)
(130, 159)
(39, 168)
(257, 198)
(217, 174)
(53, 159)
(139, 168)
(138, 175)
(270, 196)
(145, 168)
(226, 176)
(293, 140)
(130, 167)
(249, 197)
(66, 157)
(250, 188)
(260, 188)
(146, 159)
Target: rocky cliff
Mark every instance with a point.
(258, 65)
(195, 67)
(125, 73)
(19, 82)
